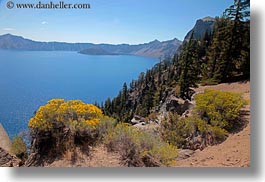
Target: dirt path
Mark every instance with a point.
(99, 157)
(235, 151)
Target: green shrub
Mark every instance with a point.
(175, 130)
(106, 125)
(203, 128)
(221, 109)
(18, 147)
(140, 148)
(165, 152)
(219, 133)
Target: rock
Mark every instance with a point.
(184, 154)
(187, 106)
(8, 160)
(137, 120)
(155, 121)
(150, 161)
(174, 104)
(148, 127)
(140, 125)
(199, 142)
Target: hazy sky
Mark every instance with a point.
(109, 21)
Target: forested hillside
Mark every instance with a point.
(221, 55)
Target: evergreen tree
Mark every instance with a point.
(108, 109)
(189, 67)
(238, 13)
(124, 94)
(217, 53)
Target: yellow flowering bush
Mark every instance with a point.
(64, 126)
(221, 109)
(71, 112)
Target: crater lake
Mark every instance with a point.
(29, 79)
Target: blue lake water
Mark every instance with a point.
(28, 79)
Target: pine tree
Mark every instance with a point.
(238, 13)
(217, 53)
(189, 67)
(108, 109)
(124, 94)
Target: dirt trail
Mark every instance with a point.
(235, 151)
(99, 157)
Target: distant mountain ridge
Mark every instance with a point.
(9, 41)
(156, 49)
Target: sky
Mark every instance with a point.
(109, 21)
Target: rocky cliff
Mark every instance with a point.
(200, 27)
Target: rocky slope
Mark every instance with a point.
(7, 159)
(5, 141)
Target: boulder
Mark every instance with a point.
(140, 125)
(174, 104)
(137, 120)
(184, 154)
